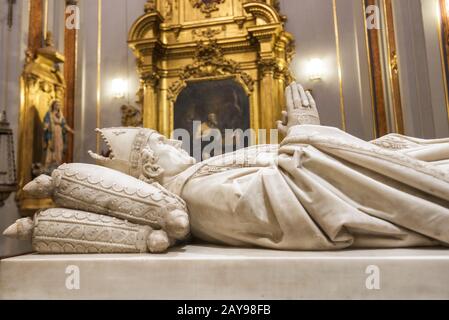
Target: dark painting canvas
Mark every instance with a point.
(218, 105)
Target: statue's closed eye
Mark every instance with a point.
(174, 143)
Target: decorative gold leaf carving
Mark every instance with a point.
(208, 33)
(207, 6)
(209, 61)
(150, 6)
(394, 63)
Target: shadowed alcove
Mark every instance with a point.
(206, 105)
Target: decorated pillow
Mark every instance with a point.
(106, 191)
(71, 231)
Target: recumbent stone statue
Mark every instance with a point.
(320, 189)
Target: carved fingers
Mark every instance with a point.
(296, 97)
(302, 94)
(297, 101)
(282, 124)
(301, 108)
(289, 99)
(311, 99)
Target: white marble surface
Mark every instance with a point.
(207, 272)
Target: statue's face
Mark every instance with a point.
(137, 151)
(56, 107)
(212, 118)
(169, 155)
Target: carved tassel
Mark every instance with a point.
(22, 229)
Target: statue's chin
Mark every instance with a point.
(175, 169)
(171, 169)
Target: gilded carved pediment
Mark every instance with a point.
(180, 42)
(209, 62)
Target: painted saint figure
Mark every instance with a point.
(55, 132)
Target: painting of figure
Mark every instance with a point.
(207, 109)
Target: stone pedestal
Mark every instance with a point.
(207, 272)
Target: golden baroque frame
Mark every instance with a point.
(175, 42)
(41, 83)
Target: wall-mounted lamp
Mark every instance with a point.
(315, 69)
(119, 88)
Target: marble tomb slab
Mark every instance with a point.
(210, 272)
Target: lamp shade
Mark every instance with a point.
(8, 180)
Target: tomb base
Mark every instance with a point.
(209, 272)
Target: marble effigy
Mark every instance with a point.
(320, 189)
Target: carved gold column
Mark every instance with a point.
(145, 59)
(267, 95)
(165, 114)
(394, 67)
(150, 113)
(285, 47)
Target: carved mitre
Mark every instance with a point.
(126, 147)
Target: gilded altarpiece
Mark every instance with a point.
(177, 42)
(42, 87)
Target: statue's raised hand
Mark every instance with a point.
(301, 108)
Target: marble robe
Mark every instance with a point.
(322, 189)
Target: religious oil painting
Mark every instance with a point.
(210, 110)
